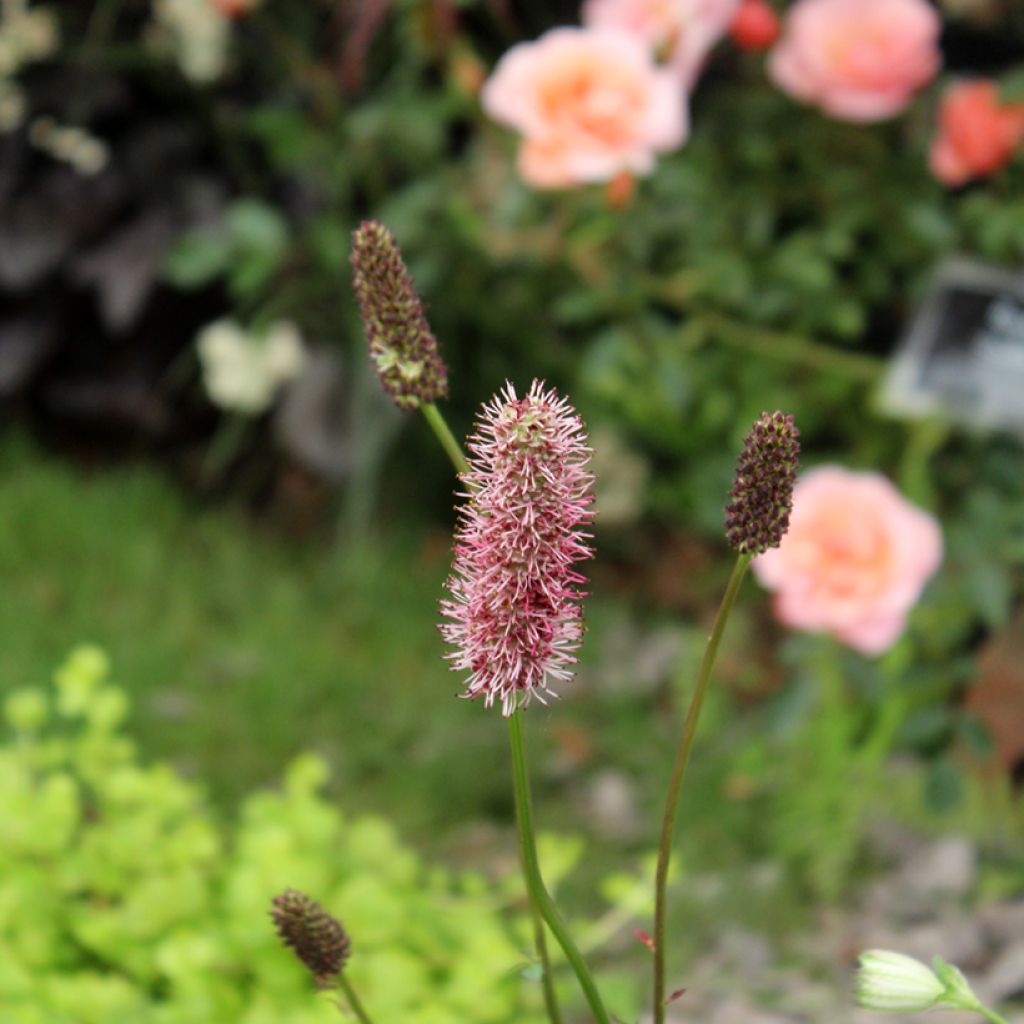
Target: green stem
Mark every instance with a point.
(224, 448)
(540, 940)
(793, 348)
(451, 446)
(531, 869)
(353, 1000)
(446, 437)
(990, 1015)
(678, 774)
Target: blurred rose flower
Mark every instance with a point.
(589, 103)
(977, 133)
(859, 60)
(243, 372)
(755, 27)
(855, 559)
(681, 31)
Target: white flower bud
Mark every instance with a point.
(894, 983)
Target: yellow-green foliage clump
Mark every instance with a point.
(123, 899)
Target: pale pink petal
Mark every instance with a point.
(855, 559)
(859, 60)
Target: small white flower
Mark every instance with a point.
(198, 34)
(243, 372)
(894, 983)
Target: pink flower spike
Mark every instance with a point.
(514, 611)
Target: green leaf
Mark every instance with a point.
(1011, 86)
(196, 258)
(944, 786)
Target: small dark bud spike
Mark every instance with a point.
(317, 938)
(403, 349)
(761, 498)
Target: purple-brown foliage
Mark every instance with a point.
(515, 612)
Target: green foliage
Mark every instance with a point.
(248, 248)
(123, 898)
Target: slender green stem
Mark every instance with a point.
(540, 939)
(678, 773)
(990, 1015)
(451, 446)
(224, 448)
(793, 348)
(531, 869)
(353, 1000)
(446, 437)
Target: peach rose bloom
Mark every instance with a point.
(859, 60)
(589, 104)
(854, 561)
(681, 31)
(977, 133)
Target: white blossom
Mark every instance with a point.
(243, 372)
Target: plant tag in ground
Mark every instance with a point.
(962, 358)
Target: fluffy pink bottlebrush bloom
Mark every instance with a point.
(515, 615)
(859, 60)
(854, 561)
(681, 31)
(589, 104)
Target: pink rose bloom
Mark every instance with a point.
(855, 559)
(589, 104)
(859, 60)
(683, 31)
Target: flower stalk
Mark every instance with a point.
(679, 774)
(756, 519)
(445, 436)
(524, 823)
(354, 1003)
(539, 894)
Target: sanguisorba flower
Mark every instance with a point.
(514, 610)
(590, 103)
(761, 498)
(317, 938)
(403, 348)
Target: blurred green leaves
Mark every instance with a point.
(246, 248)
